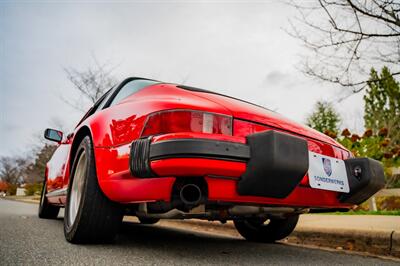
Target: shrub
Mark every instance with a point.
(377, 146)
(3, 186)
(12, 189)
(391, 203)
(32, 189)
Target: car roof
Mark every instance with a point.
(195, 89)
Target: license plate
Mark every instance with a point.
(327, 173)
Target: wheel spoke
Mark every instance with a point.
(77, 187)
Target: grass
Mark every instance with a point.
(34, 197)
(361, 212)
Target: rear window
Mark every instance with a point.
(130, 88)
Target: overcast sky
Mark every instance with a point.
(239, 49)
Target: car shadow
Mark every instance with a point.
(137, 232)
(170, 245)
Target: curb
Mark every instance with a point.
(395, 244)
(375, 242)
(23, 200)
(385, 243)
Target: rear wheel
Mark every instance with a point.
(89, 215)
(266, 230)
(46, 210)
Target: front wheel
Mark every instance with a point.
(266, 230)
(90, 216)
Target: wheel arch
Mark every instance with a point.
(79, 136)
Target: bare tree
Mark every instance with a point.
(12, 169)
(91, 83)
(345, 38)
(34, 172)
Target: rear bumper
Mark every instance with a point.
(269, 168)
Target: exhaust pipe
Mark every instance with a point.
(190, 194)
(252, 210)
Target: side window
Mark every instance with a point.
(130, 88)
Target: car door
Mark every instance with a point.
(56, 167)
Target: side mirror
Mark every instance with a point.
(53, 135)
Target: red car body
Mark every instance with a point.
(114, 129)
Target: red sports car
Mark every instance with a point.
(158, 150)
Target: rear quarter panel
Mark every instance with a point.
(122, 123)
(114, 128)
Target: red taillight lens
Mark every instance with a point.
(245, 128)
(187, 121)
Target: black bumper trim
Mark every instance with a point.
(278, 163)
(143, 152)
(204, 148)
(365, 182)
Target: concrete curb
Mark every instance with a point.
(385, 243)
(375, 242)
(395, 244)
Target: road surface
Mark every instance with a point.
(28, 240)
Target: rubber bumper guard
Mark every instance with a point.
(277, 165)
(366, 177)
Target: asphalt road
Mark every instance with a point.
(28, 240)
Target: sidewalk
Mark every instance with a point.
(375, 234)
(353, 222)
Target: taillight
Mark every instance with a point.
(244, 128)
(175, 121)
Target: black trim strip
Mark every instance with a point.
(223, 177)
(204, 148)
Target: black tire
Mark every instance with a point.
(97, 218)
(148, 220)
(257, 230)
(46, 210)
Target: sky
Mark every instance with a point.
(237, 48)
